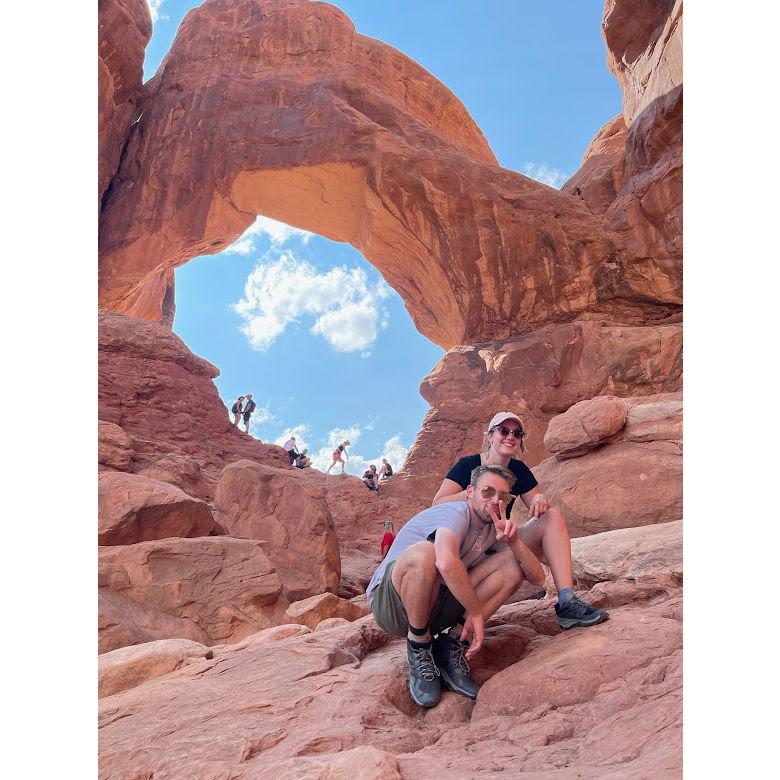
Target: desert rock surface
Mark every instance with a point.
(232, 622)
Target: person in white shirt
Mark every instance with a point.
(291, 448)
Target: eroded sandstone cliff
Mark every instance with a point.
(563, 306)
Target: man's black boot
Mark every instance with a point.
(449, 654)
(424, 685)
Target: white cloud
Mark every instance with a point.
(300, 432)
(282, 288)
(393, 450)
(277, 232)
(546, 175)
(154, 10)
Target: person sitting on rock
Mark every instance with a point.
(340, 451)
(291, 448)
(237, 410)
(249, 407)
(439, 575)
(303, 460)
(545, 532)
(371, 478)
(386, 471)
(387, 539)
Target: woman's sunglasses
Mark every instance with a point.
(518, 433)
(488, 492)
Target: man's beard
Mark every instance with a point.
(484, 516)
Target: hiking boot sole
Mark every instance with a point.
(567, 623)
(450, 686)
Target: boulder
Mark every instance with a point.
(176, 469)
(224, 589)
(127, 667)
(620, 485)
(630, 553)
(312, 611)
(254, 501)
(115, 449)
(122, 622)
(572, 667)
(585, 426)
(132, 508)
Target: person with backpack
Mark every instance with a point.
(340, 451)
(237, 410)
(249, 407)
(386, 471)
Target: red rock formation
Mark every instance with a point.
(270, 706)
(133, 508)
(633, 478)
(538, 376)
(216, 589)
(476, 251)
(162, 396)
(259, 502)
(124, 29)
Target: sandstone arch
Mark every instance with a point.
(278, 107)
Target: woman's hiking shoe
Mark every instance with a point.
(576, 612)
(424, 685)
(449, 654)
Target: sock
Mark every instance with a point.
(564, 594)
(455, 631)
(419, 637)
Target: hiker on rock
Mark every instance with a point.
(303, 460)
(339, 455)
(291, 448)
(545, 532)
(439, 574)
(386, 471)
(249, 407)
(371, 478)
(237, 410)
(387, 539)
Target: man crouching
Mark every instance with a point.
(443, 572)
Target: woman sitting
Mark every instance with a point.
(545, 532)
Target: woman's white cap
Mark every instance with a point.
(503, 417)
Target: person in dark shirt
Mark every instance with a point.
(249, 407)
(237, 410)
(545, 531)
(371, 478)
(388, 538)
(386, 471)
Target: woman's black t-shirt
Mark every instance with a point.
(524, 478)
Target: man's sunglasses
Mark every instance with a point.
(518, 433)
(488, 492)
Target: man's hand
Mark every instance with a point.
(474, 625)
(539, 505)
(506, 528)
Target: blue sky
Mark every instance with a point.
(306, 324)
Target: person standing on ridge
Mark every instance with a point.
(340, 451)
(291, 448)
(237, 410)
(545, 531)
(249, 407)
